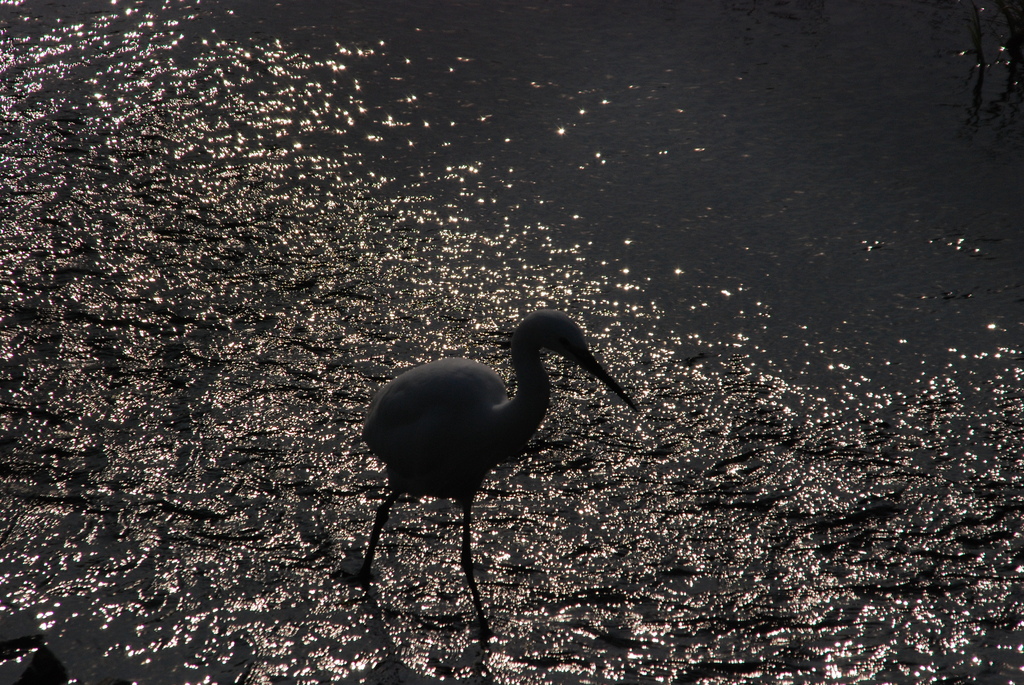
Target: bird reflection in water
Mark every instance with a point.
(441, 427)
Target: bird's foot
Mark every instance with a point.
(362, 578)
(484, 642)
(485, 634)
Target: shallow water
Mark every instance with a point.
(792, 230)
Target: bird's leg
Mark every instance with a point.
(378, 524)
(467, 566)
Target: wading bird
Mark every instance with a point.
(440, 427)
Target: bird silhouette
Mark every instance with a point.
(441, 427)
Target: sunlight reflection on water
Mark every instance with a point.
(211, 258)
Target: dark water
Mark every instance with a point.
(792, 229)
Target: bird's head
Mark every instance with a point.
(552, 330)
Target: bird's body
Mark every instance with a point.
(434, 428)
(441, 427)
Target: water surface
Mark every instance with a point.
(792, 230)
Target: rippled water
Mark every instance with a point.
(792, 230)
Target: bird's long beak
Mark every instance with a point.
(585, 359)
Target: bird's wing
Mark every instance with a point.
(432, 411)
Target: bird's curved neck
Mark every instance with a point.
(521, 415)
